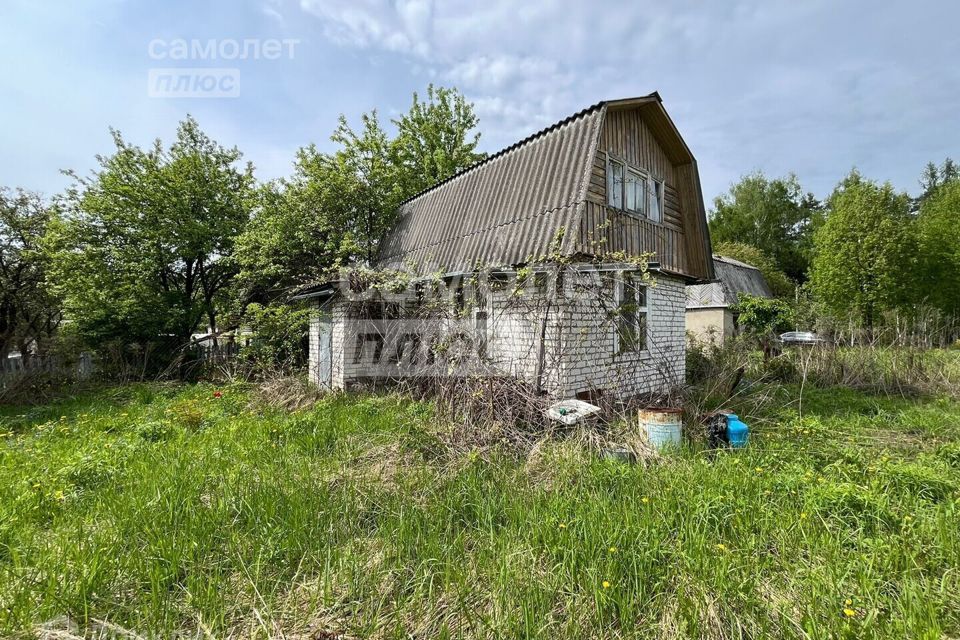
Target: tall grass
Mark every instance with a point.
(167, 510)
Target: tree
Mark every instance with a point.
(780, 284)
(774, 216)
(434, 139)
(29, 312)
(865, 250)
(338, 206)
(143, 252)
(762, 319)
(372, 183)
(934, 177)
(939, 242)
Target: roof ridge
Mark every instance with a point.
(506, 150)
(523, 141)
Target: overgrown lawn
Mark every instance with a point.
(188, 509)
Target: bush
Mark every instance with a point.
(763, 316)
(156, 431)
(278, 338)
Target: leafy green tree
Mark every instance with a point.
(762, 319)
(29, 312)
(865, 250)
(435, 139)
(773, 215)
(938, 232)
(372, 182)
(780, 284)
(338, 206)
(143, 251)
(934, 177)
(299, 230)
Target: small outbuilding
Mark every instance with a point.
(710, 315)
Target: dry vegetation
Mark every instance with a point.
(214, 511)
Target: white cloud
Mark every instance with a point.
(401, 27)
(813, 87)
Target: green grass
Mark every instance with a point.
(164, 510)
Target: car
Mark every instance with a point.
(800, 337)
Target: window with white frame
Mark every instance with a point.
(632, 310)
(634, 190)
(655, 211)
(615, 183)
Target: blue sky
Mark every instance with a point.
(813, 87)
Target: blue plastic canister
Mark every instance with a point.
(737, 431)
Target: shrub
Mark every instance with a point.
(156, 431)
(762, 316)
(188, 414)
(278, 336)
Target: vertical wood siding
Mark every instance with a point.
(627, 136)
(606, 230)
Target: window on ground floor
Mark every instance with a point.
(632, 310)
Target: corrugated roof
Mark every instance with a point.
(511, 206)
(504, 209)
(734, 278)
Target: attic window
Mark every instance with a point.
(635, 192)
(655, 212)
(615, 184)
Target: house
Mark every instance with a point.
(710, 315)
(564, 258)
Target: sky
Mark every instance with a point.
(812, 87)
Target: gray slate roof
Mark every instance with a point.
(503, 210)
(734, 277)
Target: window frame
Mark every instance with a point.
(656, 194)
(611, 181)
(641, 315)
(646, 179)
(640, 179)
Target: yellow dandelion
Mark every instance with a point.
(848, 602)
(612, 549)
(759, 469)
(803, 516)
(562, 525)
(606, 584)
(644, 500)
(721, 546)
(849, 612)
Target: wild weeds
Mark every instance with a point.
(356, 518)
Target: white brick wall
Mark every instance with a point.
(578, 349)
(590, 362)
